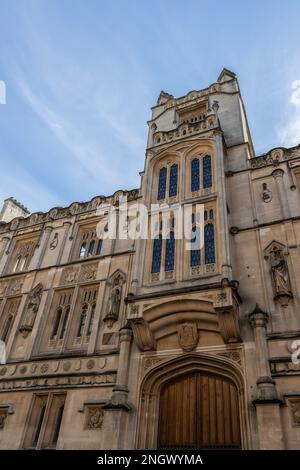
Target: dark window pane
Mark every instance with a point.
(170, 253)
(195, 174)
(56, 323)
(207, 175)
(209, 240)
(156, 255)
(82, 250)
(173, 180)
(162, 183)
(91, 248)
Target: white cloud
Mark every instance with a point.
(289, 133)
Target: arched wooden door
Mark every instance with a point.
(199, 411)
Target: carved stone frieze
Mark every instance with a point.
(88, 272)
(69, 275)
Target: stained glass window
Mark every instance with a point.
(195, 254)
(207, 175)
(195, 174)
(209, 240)
(173, 180)
(170, 252)
(156, 255)
(162, 183)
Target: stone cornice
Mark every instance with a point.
(66, 212)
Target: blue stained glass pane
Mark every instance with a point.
(195, 175)
(162, 183)
(156, 255)
(209, 241)
(170, 252)
(173, 180)
(211, 214)
(207, 176)
(195, 254)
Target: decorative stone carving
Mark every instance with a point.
(266, 194)
(295, 410)
(226, 307)
(3, 287)
(115, 297)
(54, 241)
(31, 309)
(3, 416)
(88, 272)
(95, 417)
(188, 336)
(142, 334)
(69, 275)
(15, 287)
(280, 274)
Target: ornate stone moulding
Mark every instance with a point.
(186, 316)
(66, 212)
(53, 368)
(275, 156)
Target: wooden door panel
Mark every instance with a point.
(199, 411)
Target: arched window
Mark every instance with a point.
(209, 240)
(56, 323)
(162, 183)
(92, 314)
(64, 325)
(195, 252)
(58, 424)
(195, 175)
(156, 254)
(17, 264)
(7, 327)
(99, 247)
(207, 174)
(91, 248)
(82, 321)
(173, 180)
(82, 250)
(170, 252)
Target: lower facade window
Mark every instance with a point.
(45, 421)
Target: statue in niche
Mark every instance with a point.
(114, 301)
(33, 303)
(280, 276)
(54, 242)
(279, 271)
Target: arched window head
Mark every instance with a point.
(161, 194)
(156, 254)
(173, 180)
(82, 250)
(195, 174)
(207, 172)
(209, 244)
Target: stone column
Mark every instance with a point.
(67, 226)
(267, 402)
(120, 391)
(278, 176)
(46, 236)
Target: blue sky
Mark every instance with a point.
(81, 76)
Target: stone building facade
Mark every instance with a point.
(139, 343)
